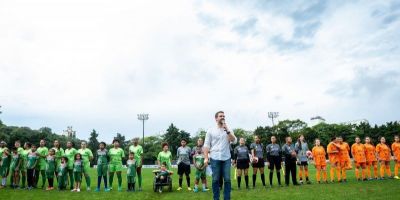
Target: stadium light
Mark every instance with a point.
(143, 117)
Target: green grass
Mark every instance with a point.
(377, 189)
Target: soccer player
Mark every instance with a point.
(116, 155)
(396, 154)
(41, 167)
(199, 145)
(102, 166)
(358, 153)
(257, 151)
(17, 144)
(198, 161)
(4, 164)
(78, 169)
(319, 156)
(371, 158)
(138, 151)
(274, 160)
(383, 152)
(344, 158)
(70, 152)
(58, 153)
(333, 154)
(32, 162)
(87, 156)
(24, 156)
(183, 162)
(164, 156)
(15, 167)
(51, 168)
(302, 148)
(62, 174)
(241, 160)
(289, 155)
(131, 164)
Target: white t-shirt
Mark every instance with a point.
(218, 143)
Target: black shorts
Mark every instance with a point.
(275, 162)
(259, 164)
(183, 169)
(242, 164)
(302, 163)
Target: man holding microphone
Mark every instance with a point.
(217, 143)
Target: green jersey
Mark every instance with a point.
(138, 151)
(42, 151)
(165, 157)
(86, 155)
(15, 161)
(32, 160)
(62, 170)
(24, 157)
(199, 160)
(78, 166)
(50, 166)
(58, 153)
(20, 150)
(116, 155)
(70, 154)
(5, 158)
(102, 157)
(131, 165)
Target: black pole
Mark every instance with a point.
(143, 132)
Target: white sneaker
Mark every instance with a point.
(88, 189)
(73, 190)
(78, 190)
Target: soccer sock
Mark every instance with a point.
(23, 180)
(98, 182)
(239, 179)
(246, 179)
(368, 171)
(363, 173)
(278, 174)
(254, 180)
(188, 181)
(344, 175)
(87, 179)
(180, 181)
(388, 172)
(306, 173)
(111, 179)
(396, 169)
(376, 171)
(43, 177)
(301, 174)
(133, 186)
(140, 180)
(332, 173)
(3, 181)
(325, 176)
(119, 177)
(129, 185)
(318, 175)
(71, 178)
(105, 181)
(338, 173)
(263, 179)
(270, 177)
(357, 173)
(382, 170)
(204, 186)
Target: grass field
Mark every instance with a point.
(376, 189)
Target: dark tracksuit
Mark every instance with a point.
(290, 163)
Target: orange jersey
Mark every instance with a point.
(344, 152)
(370, 152)
(319, 155)
(396, 150)
(383, 151)
(358, 152)
(333, 153)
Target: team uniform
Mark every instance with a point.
(383, 151)
(396, 154)
(24, 156)
(31, 163)
(41, 166)
(58, 154)
(4, 165)
(62, 176)
(15, 167)
(358, 152)
(78, 170)
(344, 159)
(274, 158)
(86, 155)
(290, 163)
(301, 149)
(259, 153)
(242, 158)
(183, 155)
(102, 168)
(319, 156)
(50, 169)
(138, 151)
(116, 155)
(165, 157)
(131, 174)
(70, 154)
(371, 160)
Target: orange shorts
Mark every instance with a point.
(360, 164)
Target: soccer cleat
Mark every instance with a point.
(119, 188)
(189, 189)
(196, 190)
(308, 182)
(396, 177)
(106, 189)
(97, 190)
(73, 190)
(205, 189)
(179, 189)
(79, 190)
(87, 189)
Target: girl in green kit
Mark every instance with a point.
(50, 168)
(102, 166)
(131, 172)
(24, 156)
(58, 153)
(32, 161)
(164, 156)
(87, 156)
(78, 169)
(62, 174)
(15, 167)
(116, 154)
(70, 152)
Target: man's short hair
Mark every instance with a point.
(217, 113)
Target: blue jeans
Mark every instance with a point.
(221, 168)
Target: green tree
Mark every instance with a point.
(93, 144)
(174, 136)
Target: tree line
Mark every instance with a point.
(173, 135)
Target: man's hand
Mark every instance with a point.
(206, 162)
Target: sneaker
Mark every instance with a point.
(73, 190)
(119, 188)
(205, 189)
(106, 190)
(189, 189)
(97, 190)
(308, 182)
(79, 190)
(48, 188)
(160, 190)
(301, 181)
(396, 177)
(87, 189)
(196, 190)
(179, 189)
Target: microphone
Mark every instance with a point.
(223, 124)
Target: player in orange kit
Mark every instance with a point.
(319, 156)
(358, 153)
(344, 157)
(383, 151)
(396, 154)
(333, 154)
(370, 154)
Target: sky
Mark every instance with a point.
(96, 64)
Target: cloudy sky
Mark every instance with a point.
(97, 64)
